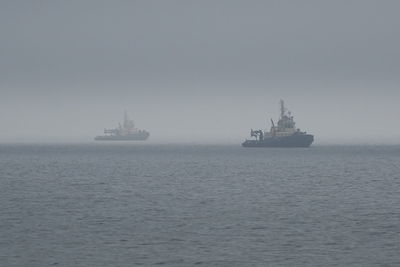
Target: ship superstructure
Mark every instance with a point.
(127, 131)
(284, 134)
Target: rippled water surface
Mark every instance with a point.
(182, 205)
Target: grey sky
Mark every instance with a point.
(199, 70)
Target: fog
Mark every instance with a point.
(199, 71)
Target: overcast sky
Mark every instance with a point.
(200, 71)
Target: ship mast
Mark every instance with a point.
(128, 123)
(125, 117)
(282, 108)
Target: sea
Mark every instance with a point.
(143, 204)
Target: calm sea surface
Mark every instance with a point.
(182, 205)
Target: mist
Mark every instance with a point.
(191, 71)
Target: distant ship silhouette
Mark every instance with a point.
(125, 132)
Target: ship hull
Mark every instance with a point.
(142, 136)
(303, 140)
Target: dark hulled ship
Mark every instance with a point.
(124, 132)
(284, 134)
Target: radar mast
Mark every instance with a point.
(128, 124)
(282, 108)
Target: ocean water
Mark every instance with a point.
(124, 204)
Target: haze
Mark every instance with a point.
(199, 71)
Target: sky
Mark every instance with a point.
(199, 71)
